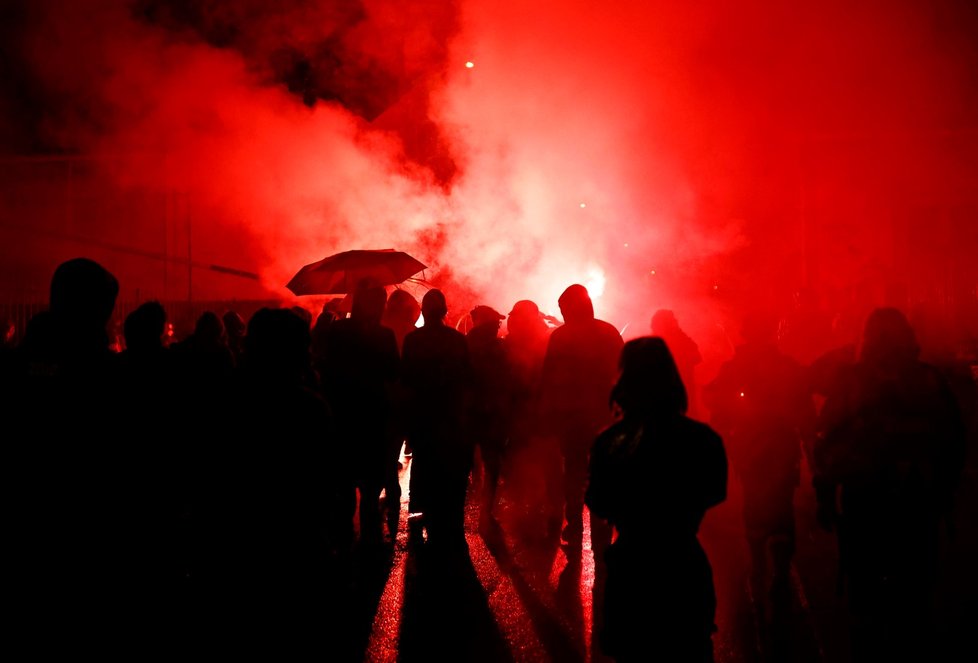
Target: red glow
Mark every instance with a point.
(721, 139)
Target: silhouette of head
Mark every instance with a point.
(303, 314)
(485, 315)
(83, 295)
(368, 303)
(277, 342)
(209, 329)
(7, 332)
(234, 324)
(525, 318)
(649, 383)
(433, 306)
(575, 304)
(525, 309)
(664, 322)
(144, 327)
(888, 338)
(403, 308)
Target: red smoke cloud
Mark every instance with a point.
(734, 149)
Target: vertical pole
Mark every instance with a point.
(167, 204)
(69, 203)
(190, 253)
(803, 212)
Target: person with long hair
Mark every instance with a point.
(653, 475)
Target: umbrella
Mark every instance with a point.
(342, 272)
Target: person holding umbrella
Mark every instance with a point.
(362, 360)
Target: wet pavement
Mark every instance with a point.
(516, 594)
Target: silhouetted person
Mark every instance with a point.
(653, 475)
(234, 326)
(887, 463)
(71, 493)
(303, 314)
(145, 361)
(761, 405)
(204, 355)
(362, 362)
(489, 414)
(578, 371)
(146, 404)
(438, 375)
(265, 499)
(8, 344)
(937, 348)
(204, 367)
(826, 370)
(401, 315)
(534, 466)
(320, 331)
(684, 350)
(8, 334)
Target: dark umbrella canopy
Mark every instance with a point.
(342, 272)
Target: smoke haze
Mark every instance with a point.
(662, 155)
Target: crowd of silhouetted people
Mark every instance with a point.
(219, 484)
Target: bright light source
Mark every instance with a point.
(583, 205)
(741, 394)
(469, 64)
(626, 245)
(652, 272)
(595, 282)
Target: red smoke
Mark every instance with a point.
(735, 149)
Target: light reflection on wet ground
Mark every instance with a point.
(516, 594)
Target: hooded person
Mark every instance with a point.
(684, 349)
(888, 458)
(760, 403)
(579, 370)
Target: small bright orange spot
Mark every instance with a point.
(652, 272)
(469, 64)
(583, 205)
(626, 245)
